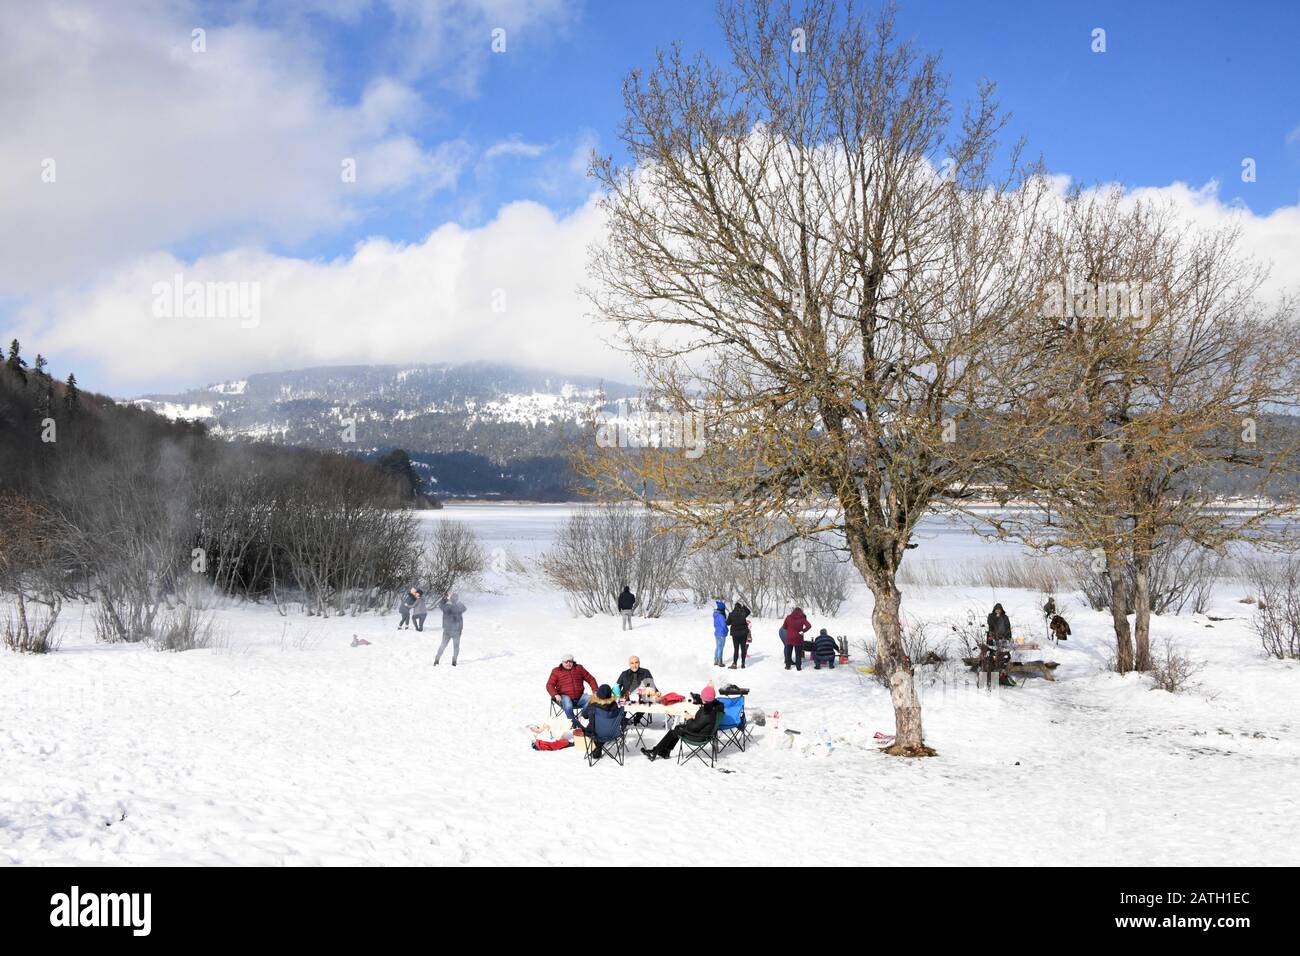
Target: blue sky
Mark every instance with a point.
(1184, 91)
(225, 164)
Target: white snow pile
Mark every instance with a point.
(288, 745)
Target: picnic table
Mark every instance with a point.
(682, 710)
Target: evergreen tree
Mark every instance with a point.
(71, 396)
(15, 362)
(40, 364)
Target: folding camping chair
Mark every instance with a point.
(691, 746)
(615, 747)
(607, 734)
(734, 730)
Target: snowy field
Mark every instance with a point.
(286, 745)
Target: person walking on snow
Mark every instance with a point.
(453, 620)
(795, 625)
(719, 632)
(626, 602)
(738, 621)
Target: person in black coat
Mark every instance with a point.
(701, 725)
(1000, 642)
(633, 678)
(626, 602)
(738, 621)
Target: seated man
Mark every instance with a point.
(565, 686)
(701, 725)
(824, 650)
(632, 680)
(603, 715)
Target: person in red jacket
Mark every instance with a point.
(565, 686)
(795, 625)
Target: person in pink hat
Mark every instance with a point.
(701, 725)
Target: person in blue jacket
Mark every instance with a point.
(719, 632)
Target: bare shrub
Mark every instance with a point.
(971, 630)
(600, 548)
(1181, 578)
(184, 629)
(714, 573)
(30, 633)
(822, 583)
(30, 571)
(769, 576)
(920, 643)
(454, 558)
(1170, 670)
(1276, 586)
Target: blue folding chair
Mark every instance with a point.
(734, 730)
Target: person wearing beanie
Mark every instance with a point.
(604, 716)
(719, 632)
(701, 725)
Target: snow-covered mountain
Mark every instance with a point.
(501, 412)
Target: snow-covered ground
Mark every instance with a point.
(287, 745)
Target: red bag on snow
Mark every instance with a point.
(551, 744)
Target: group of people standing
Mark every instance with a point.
(413, 607)
(735, 623)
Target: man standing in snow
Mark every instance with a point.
(453, 620)
(626, 601)
(565, 686)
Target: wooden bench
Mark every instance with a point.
(1041, 668)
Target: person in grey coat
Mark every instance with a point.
(453, 620)
(419, 610)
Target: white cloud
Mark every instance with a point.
(154, 145)
(515, 147)
(431, 301)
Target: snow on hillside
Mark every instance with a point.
(230, 388)
(287, 745)
(176, 410)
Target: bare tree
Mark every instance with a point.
(602, 548)
(813, 256)
(454, 558)
(1276, 621)
(1160, 370)
(29, 570)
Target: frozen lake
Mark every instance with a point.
(529, 529)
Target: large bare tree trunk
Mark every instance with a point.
(1119, 616)
(1142, 612)
(909, 738)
